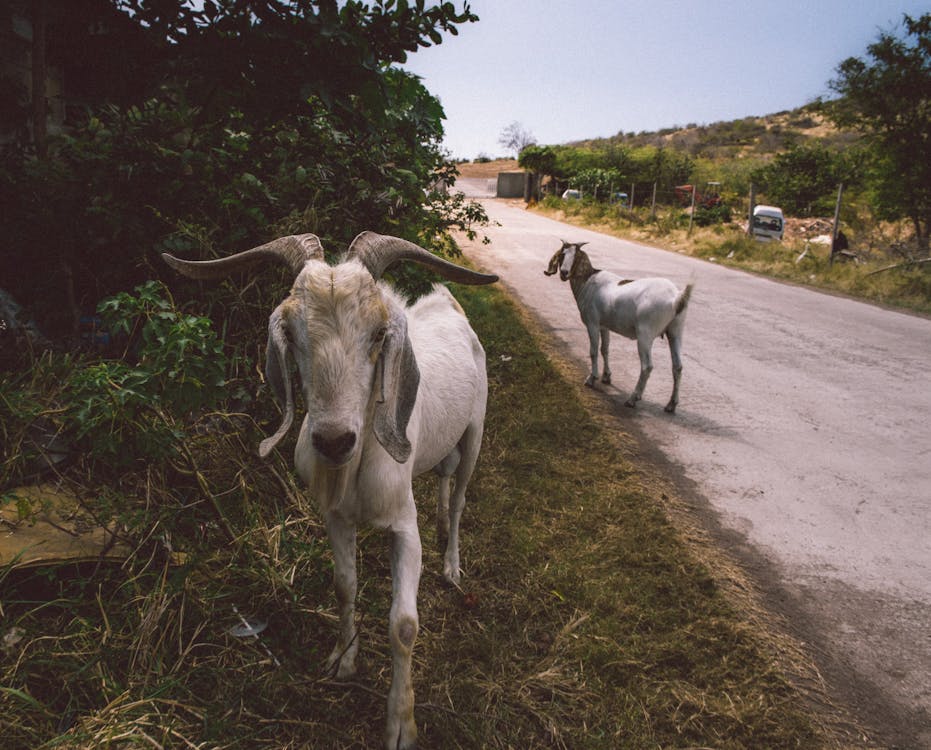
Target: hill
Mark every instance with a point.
(487, 169)
(749, 136)
(761, 137)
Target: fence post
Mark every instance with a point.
(840, 192)
(692, 212)
(653, 203)
(750, 214)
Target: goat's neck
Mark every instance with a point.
(582, 271)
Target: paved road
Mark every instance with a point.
(805, 422)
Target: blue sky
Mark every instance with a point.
(591, 68)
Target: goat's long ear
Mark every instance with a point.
(554, 263)
(277, 373)
(398, 382)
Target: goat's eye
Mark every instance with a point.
(379, 335)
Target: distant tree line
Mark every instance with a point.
(599, 171)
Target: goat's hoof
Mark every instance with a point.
(631, 402)
(606, 379)
(590, 381)
(670, 408)
(452, 576)
(404, 738)
(341, 664)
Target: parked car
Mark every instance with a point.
(572, 195)
(768, 223)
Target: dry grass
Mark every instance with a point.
(587, 618)
(488, 168)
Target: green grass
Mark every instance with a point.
(587, 619)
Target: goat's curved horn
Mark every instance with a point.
(293, 251)
(378, 251)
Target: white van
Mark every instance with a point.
(768, 223)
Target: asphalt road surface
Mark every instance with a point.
(804, 423)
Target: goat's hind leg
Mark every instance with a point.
(646, 367)
(675, 351)
(444, 470)
(467, 456)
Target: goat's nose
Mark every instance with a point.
(334, 444)
(563, 275)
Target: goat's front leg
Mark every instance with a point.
(401, 731)
(646, 367)
(343, 542)
(606, 371)
(594, 333)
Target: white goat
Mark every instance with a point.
(641, 310)
(391, 391)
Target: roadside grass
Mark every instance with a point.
(587, 618)
(907, 288)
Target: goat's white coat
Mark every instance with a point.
(334, 351)
(391, 391)
(637, 309)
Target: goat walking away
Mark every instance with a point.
(640, 310)
(392, 390)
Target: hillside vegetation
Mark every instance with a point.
(747, 137)
(879, 266)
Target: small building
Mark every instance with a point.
(512, 184)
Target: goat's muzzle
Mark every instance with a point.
(564, 275)
(334, 444)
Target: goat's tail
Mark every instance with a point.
(682, 300)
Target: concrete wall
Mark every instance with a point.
(511, 184)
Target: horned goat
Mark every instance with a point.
(641, 310)
(391, 391)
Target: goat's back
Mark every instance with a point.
(629, 308)
(453, 381)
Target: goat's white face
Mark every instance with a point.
(567, 260)
(564, 259)
(335, 322)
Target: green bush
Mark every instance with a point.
(123, 411)
(706, 216)
(119, 411)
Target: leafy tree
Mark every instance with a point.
(516, 138)
(597, 183)
(272, 59)
(804, 179)
(247, 118)
(888, 98)
(539, 161)
(665, 167)
(570, 160)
